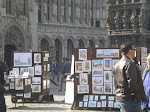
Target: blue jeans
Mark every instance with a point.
(129, 106)
(57, 75)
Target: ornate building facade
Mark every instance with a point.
(57, 26)
(130, 22)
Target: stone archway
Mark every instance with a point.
(70, 48)
(57, 51)
(81, 44)
(45, 45)
(91, 44)
(13, 41)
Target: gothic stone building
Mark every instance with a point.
(57, 26)
(130, 22)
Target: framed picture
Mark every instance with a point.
(27, 95)
(11, 85)
(36, 80)
(45, 67)
(97, 89)
(80, 104)
(111, 98)
(96, 98)
(143, 51)
(78, 66)
(48, 67)
(85, 104)
(19, 94)
(114, 61)
(103, 97)
(17, 70)
(107, 64)
(116, 105)
(87, 66)
(91, 97)
(97, 72)
(36, 88)
(38, 70)
(143, 59)
(48, 84)
(99, 53)
(85, 97)
(44, 84)
(104, 103)
(110, 103)
(97, 64)
(99, 104)
(31, 71)
(37, 58)
(22, 59)
(29, 81)
(107, 76)
(19, 84)
(83, 78)
(83, 89)
(82, 54)
(92, 104)
(97, 80)
(111, 53)
(22, 70)
(107, 88)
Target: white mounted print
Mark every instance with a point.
(107, 64)
(78, 66)
(37, 58)
(97, 72)
(36, 88)
(22, 70)
(107, 76)
(83, 78)
(83, 89)
(38, 70)
(97, 80)
(97, 64)
(107, 88)
(31, 71)
(87, 66)
(114, 62)
(82, 54)
(99, 53)
(97, 89)
(17, 70)
(36, 80)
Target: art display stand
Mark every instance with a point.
(33, 83)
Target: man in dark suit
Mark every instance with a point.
(55, 70)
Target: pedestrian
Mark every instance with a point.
(128, 81)
(2, 83)
(55, 71)
(146, 82)
(65, 72)
(62, 78)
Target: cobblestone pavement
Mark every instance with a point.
(57, 105)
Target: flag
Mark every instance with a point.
(109, 22)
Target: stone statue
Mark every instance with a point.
(19, 5)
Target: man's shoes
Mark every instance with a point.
(60, 90)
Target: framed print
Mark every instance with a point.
(114, 90)
(111, 53)
(91, 97)
(97, 89)
(17, 70)
(116, 105)
(96, 98)
(48, 67)
(83, 78)
(22, 70)
(87, 66)
(19, 84)
(107, 64)
(97, 80)
(36, 80)
(45, 58)
(37, 58)
(80, 104)
(45, 68)
(143, 59)
(85, 97)
(104, 103)
(38, 70)
(6, 88)
(22, 59)
(114, 61)
(36, 88)
(82, 54)
(85, 104)
(31, 71)
(110, 103)
(19, 94)
(143, 51)
(44, 84)
(27, 95)
(78, 66)
(97, 72)
(48, 84)
(111, 98)
(92, 104)
(103, 97)
(99, 53)
(107, 76)
(99, 104)
(29, 81)
(83, 89)
(11, 85)
(107, 88)
(46, 54)
(97, 64)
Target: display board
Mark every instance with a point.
(94, 81)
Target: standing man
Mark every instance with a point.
(128, 81)
(65, 72)
(55, 70)
(2, 83)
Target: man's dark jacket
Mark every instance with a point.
(128, 81)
